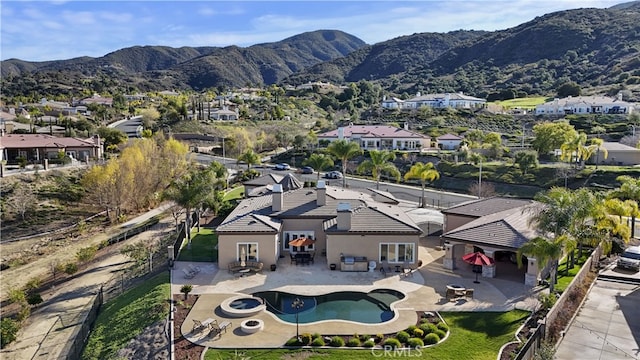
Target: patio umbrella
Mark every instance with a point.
(303, 241)
(243, 255)
(477, 258)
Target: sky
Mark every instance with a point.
(59, 30)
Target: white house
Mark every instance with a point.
(586, 105)
(379, 137)
(449, 141)
(446, 100)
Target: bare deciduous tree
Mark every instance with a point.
(22, 200)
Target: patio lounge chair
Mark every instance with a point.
(217, 329)
(194, 269)
(188, 274)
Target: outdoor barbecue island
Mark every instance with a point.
(353, 263)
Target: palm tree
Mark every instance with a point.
(344, 150)
(424, 172)
(544, 251)
(380, 161)
(629, 190)
(597, 145)
(573, 150)
(319, 162)
(250, 158)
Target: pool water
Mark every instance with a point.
(247, 303)
(370, 308)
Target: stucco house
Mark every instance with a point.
(379, 137)
(37, 147)
(496, 226)
(449, 141)
(617, 154)
(585, 105)
(444, 100)
(344, 224)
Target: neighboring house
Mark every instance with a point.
(37, 147)
(379, 137)
(51, 130)
(449, 141)
(446, 100)
(497, 226)
(264, 184)
(617, 154)
(586, 105)
(96, 99)
(8, 127)
(343, 224)
(224, 114)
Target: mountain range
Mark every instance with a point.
(595, 48)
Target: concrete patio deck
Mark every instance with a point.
(425, 291)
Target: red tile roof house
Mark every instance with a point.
(37, 147)
(379, 137)
(449, 141)
(497, 226)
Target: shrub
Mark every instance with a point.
(442, 326)
(379, 337)
(428, 328)
(70, 268)
(33, 284)
(86, 253)
(392, 343)
(186, 289)
(411, 328)
(317, 342)
(305, 339)
(402, 336)
(8, 331)
(369, 344)
(337, 341)
(418, 333)
(431, 339)
(353, 342)
(415, 343)
(293, 342)
(364, 337)
(23, 314)
(316, 336)
(34, 299)
(441, 334)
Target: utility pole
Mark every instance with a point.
(480, 181)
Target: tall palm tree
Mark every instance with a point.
(544, 251)
(573, 150)
(344, 150)
(423, 172)
(596, 144)
(319, 162)
(250, 158)
(379, 162)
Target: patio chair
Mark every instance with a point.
(217, 329)
(188, 274)
(198, 325)
(293, 259)
(194, 269)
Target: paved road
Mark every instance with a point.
(132, 127)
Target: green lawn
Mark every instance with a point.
(203, 246)
(523, 103)
(474, 336)
(234, 194)
(564, 278)
(124, 317)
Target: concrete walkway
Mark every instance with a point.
(425, 291)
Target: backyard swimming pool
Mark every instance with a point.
(371, 308)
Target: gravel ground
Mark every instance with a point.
(152, 344)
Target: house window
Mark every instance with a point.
(247, 250)
(397, 252)
(292, 235)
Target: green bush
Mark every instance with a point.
(415, 343)
(337, 341)
(317, 342)
(293, 342)
(353, 342)
(379, 337)
(8, 330)
(87, 253)
(305, 339)
(431, 339)
(70, 268)
(34, 299)
(369, 344)
(418, 333)
(428, 328)
(392, 342)
(402, 336)
(441, 334)
(364, 337)
(442, 326)
(316, 335)
(411, 328)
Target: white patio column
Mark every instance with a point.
(448, 261)
(531, 276)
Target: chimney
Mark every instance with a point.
(321, 192)
(277, 201)
(340, 133)
(344, 216)
(406, 126)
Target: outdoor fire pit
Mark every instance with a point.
(251, 326)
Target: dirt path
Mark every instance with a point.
(50, 327)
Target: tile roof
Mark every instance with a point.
(256, 214)
(452, 96)
(486, 206)
(506, 229)
(268, 179)
(618, 147)
(449, 137)
(21, 141)
(374, 131)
